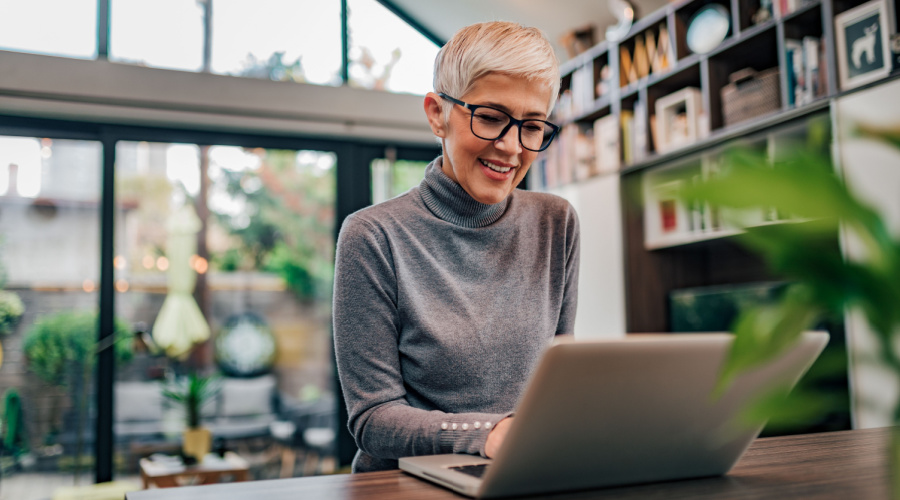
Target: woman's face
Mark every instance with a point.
(488, 170)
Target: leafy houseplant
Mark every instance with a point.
(61, 350)
(824, 283)
(11, 309)
(193, 393)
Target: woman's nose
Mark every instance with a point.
(509, 142)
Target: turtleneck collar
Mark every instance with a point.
(450, 202)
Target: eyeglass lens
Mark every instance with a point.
(489, 123)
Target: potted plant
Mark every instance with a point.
(193, 393)
(61, 349)
(11, 310)
(823, 282)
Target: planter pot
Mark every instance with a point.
(197, 442)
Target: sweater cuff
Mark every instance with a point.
(467, 432)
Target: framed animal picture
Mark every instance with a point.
(863, 44)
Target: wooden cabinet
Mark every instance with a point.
(658, 114)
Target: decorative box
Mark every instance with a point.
(749, 94)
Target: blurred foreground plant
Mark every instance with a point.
(824, 283)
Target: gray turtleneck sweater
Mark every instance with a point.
(442, 307)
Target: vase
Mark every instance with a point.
(197, 441)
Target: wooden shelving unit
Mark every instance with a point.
(689, 248)
(697, 252)
(758, 46)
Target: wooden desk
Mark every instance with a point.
(840, 465)
(166, 476)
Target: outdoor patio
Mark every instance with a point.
(41, 485)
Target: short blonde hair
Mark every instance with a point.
(495, 47)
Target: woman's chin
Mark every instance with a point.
(490, 196)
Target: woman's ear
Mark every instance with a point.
(434, 110)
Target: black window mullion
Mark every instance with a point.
(207, 35)
(345, 43)
(104, 442)
(103, 29)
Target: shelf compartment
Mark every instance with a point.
(682, 19)
(754, 12)
(602, 106)
(805, 65)
(719, 137)
(646, 52)
(802, 11)
(806, 21)
(602, 77)
(758, 52)
(688, 76)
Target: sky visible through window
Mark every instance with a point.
(162, 33)
(58, 27)
(379, 34)
(308, 31)
(298, 40)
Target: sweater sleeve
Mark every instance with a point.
(566, 322)
(366, 336)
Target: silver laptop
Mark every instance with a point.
(614, 412)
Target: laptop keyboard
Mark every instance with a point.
(477, 470)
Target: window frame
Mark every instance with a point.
(353, 185)
(103, 30)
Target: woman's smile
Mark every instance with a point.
(489, 170)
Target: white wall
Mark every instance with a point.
(56, 87)
(601, 280)
(872, 170)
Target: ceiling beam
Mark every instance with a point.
(416, 25)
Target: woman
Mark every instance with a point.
(446, 296)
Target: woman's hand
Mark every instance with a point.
(496, 437)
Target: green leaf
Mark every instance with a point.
(762, 333)
(784, 410)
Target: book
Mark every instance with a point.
(796, 72)
(639, 133)
(811, 67)
(641, 62)
(791, 77)
(584, 153)
(606, 145)
(625, 68)
(537, 180)
(565, 172)
(650, 46)
(627, 118)
(823, 71)
(663, 51)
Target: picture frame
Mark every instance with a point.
(677, 120)
(862, 42)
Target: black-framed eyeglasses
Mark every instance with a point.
(491, 124)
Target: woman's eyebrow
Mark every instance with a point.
(530, 114)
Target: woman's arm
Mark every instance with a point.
(566, 322)
(366, 334)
